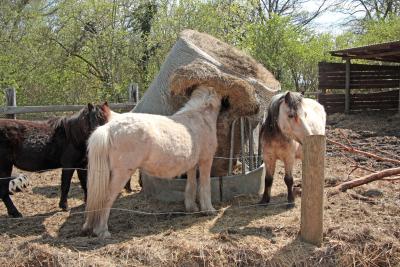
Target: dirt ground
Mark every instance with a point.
(356, 232)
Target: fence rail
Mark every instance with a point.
(374, 101)
(57, 108)
(332, 76)
(11, 109)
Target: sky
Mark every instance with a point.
(330, 21)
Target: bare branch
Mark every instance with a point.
(367, 179)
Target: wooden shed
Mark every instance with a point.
(366, 87)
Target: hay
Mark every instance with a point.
(233, 74)
(246, 84)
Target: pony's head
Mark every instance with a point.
(292, 117)
(79, 126)
(98, 115)
(203, 97)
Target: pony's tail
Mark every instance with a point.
(98, 176)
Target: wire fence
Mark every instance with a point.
(381, 202)
(85, 169)
(150, 213)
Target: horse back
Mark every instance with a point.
(163, 146)
(28, 144)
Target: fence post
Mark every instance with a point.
(347, 87)
(313, 166)
(133, 93)
(11, 101)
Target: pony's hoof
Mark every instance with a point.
(192, 208)
(15, 214)
(64, 206)
(290, 205)
(104, 235)
(209, 212)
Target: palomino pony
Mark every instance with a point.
(41, 145)
(289, 120)
(160, 146)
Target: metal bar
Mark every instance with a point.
(242, 152)
(251, 149)
(232, 147)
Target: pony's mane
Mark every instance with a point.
(76, 129)
(57, 122)
(270, 126)
(201, 97)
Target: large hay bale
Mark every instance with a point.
(198, 58)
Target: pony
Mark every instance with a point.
(289, 120)
(162, 146)
(36, 146)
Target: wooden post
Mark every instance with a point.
(11, 101)
(312, 189)
(347, 87)
(133, 93)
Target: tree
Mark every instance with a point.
(371, 9)
(293, 9)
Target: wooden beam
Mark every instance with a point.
(347, 88)
(313, 171)
(11, 101)
(58, 108)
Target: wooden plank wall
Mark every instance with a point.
(358, 102)
(333, 76)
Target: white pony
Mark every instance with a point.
(160, 146)
(289, 120)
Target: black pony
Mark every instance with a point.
(42, 145)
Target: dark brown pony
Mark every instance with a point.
(36, 146)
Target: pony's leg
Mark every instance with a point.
(119, 178)
(270, 162)
(4, 193)
(289, 180)
(11, 209)
(66, 177)
(190, 191)
(82, 175)
(205, 187)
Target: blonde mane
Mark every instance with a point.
(202, 97)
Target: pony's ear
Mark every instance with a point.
(90, 106)
(105, 107)
(288, 97)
